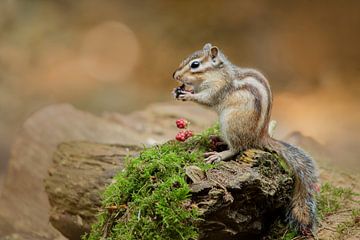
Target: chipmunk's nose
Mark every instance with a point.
(176, 76)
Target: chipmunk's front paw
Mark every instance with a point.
(214, 157)
(186, 96)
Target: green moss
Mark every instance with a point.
(281, 231)
(289, 235)
(150, 199)
(283, 164)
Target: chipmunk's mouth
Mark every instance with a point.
(182, 89)
(185, 86)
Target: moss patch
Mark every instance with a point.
(150, 199)
(280, 230)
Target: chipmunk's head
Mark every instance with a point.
(198, 66)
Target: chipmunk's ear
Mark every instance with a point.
(207, 47)
(214, 52)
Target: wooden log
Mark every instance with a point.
(239, 198)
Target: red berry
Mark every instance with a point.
(180, 136)
(181, 123)
(188, 134)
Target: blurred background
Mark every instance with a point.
(120, 55)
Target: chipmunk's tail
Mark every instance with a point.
(302, 212)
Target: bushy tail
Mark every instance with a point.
(302, 213)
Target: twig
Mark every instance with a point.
(114, 207)
(286, 231)
(327, 228)
(337, 212)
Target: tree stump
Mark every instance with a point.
(240, 198)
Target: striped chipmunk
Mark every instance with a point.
(242, 99)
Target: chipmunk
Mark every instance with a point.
(243, 100)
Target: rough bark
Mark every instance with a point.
(239, 198)
(243, 197)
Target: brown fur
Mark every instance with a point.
(243, 100)
(300, 210)
(264, 82)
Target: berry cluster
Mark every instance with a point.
(183, 135)
(181, 123)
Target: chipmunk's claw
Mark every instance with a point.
(185, 96)
(208, 154)
(214, 157)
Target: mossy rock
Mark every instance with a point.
(168, 192)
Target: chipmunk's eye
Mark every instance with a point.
(195, 64)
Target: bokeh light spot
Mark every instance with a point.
(110, 51)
